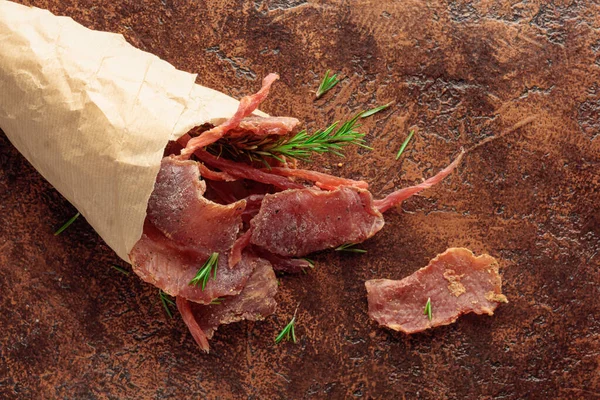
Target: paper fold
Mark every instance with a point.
(93, 114)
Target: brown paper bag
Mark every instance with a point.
(93, 114)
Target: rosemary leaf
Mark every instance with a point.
(327, 84)
(427, 310)
(203, 274)
(375, 110)
(288, 332)
(67, 224)
(348, 247)
(410, 135)
(166, 301)
(121, 270)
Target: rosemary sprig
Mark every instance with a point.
(327, 84)
(427, 310)
(288, 333)
(217, 301)
(349, 248)
(121, 270)
(310, 262)
(301, 146)
(375, 110)
(67, 224)
(166, 301)
(203, 274)
(410, 135)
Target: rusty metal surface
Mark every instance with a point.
(460, 73)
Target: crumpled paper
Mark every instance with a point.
(93, 114)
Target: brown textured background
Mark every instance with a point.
(459, 72)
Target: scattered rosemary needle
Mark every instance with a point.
(375, 110)
(349, 248)
(203, 274)
(67, 224)
(217, 301)
(166, 301)
(310, 262)
(288, 333)
(327, 84)
(410, 135)
(121, 270)
(427, 310)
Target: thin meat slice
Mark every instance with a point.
(324, 181)
(208, 173)
(283, 264)
(245, 171)
(397, 197)
(170, 267)
(185, 309)
(264, 126)
(457, 283)
(179, 210)
(247, 106)
(254, 303)
(294, 223)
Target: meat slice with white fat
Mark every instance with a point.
(455, 283)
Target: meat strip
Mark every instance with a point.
(457, 283)
(324, 181)
(244, 171)
(264, 126)
(247, 106)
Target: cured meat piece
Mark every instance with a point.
(245, 171)
(254, 303)
(264, 126)
(171, 267)
(179, 210)
(294, 223)
(247, 106)
(185, 309)
(324, 181)
(288, 265)
(215, 175)
(457, 283)
(397, 197)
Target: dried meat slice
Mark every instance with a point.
(247, 106)
(170, 267)
(294, 223)
(254, 303)
(264, 126)
(456, 282)
(179, 210)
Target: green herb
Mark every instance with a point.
(327, 84)
(301, 146)
(67, 224)
(427, 310)
(375, 110)
(288, 332)
(310, 262)
(349, 248)
(166, 301)
(203, 274)
(121, 270)
(410, 135)
(217, 301)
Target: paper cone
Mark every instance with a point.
(93, 114)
